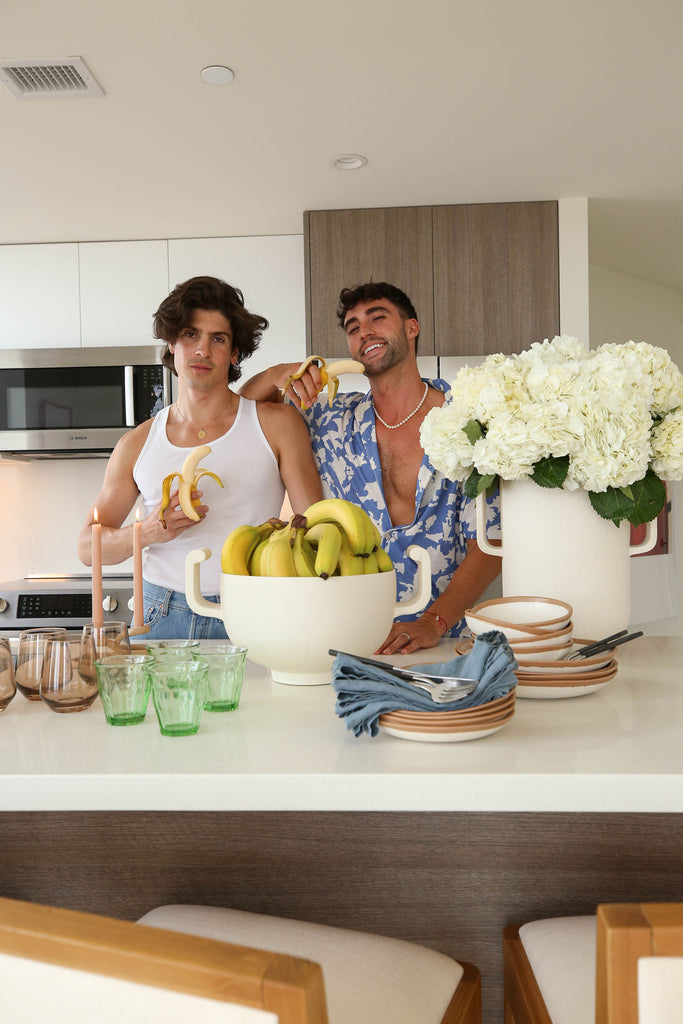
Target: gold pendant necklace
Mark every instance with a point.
(201, 432)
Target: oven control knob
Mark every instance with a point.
(131, 604)
(110, 604)
(3, 605)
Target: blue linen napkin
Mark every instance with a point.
(365, 692)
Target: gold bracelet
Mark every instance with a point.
(440, 623)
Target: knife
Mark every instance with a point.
(455, 682)
(608, 644)
(584, 651)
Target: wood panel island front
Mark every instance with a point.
(277, 808)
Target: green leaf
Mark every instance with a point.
(476, 483)
(613, 504)
(551, 472)
(649, 498)
(474, 431)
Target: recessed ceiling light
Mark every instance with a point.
(349, 161)
(217, 74)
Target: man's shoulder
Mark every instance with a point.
(133, 441)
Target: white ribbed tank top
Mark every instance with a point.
(252, 492)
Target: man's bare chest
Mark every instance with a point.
(400, 461)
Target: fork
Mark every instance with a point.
(442, 689)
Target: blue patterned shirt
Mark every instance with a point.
(345, 449)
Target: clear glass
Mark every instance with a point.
(30, 659)
(124, 682)
(101, 642)
(8, 683)
(226, 675)
(178, 693)
(174, 649)
(62, 687)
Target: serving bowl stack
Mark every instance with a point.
(537, 628)
(450, 726)
(539, 631)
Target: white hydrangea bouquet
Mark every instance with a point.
(609, 420)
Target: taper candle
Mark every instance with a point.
(138, 616)
(97, 611)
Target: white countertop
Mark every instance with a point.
(619, 749)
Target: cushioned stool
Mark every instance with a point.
(577, 970)
(549, 971)
(369, 979)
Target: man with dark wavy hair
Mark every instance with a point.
(367, 448)
(258, 450)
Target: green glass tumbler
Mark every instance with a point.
(178, 692)
(124, 682)
(226, 675)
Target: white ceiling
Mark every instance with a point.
(451, 101)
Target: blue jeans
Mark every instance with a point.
(171, 618)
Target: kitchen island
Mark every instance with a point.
(278, 808)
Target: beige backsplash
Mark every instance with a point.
(45, 505)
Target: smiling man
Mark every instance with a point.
(367, 448)
(257, 449)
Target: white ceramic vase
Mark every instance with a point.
(555, 545)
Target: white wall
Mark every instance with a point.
(45, 505)
(624, 308)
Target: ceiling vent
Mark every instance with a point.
(49, 77)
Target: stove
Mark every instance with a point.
(61, 600)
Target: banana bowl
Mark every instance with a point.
(289, 624)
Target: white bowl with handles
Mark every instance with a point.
(289, 624)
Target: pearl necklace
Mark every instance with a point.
(395, 426)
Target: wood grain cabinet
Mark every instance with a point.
(483, 277)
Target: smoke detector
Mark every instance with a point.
(49, 77)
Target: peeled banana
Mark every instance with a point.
(329, 373)
(333, 537)
(188, 478)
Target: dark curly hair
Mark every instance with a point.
(350, 297)
(175, 313)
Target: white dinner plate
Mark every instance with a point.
(442, 737)
(540, 692)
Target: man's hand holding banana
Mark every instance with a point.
(302, 383)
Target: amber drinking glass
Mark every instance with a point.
(62, 687)
(99, 642)
(8, 684)
(32, 644)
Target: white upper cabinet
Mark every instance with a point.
(269, 271)
(39, 296)
(121, 285)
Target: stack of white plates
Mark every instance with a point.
(565, 678)
(550, 679)
(450, 726)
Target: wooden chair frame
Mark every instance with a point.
(289, 986)
(625, 932)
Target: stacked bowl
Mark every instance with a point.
(539, 631)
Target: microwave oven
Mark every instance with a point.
(76, 403)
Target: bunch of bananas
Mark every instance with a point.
(333, 537)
